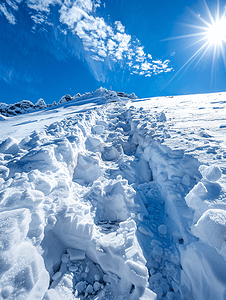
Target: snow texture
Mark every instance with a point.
(112, 197)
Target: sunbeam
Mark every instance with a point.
(211, 35)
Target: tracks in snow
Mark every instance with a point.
(105, 201)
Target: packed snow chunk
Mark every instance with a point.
(4, 172)
(117, 199)
(31, 198)
(65, 258)
(36, 227)
(212, 173)
(110, 153)
(89, 289)
(14, 226)
(98, 129)
(162, 229)
(65, 286)
(211, 228)
(93, 144)
(161, 117)
(52, 294)
(76, 254)
(80, 286)
(87, 169)
(74, 229)
(148, 295)
(42, 182)
(203, 274)
(138, 274)
(64, 153)
(96, 286)
(27, 277)
(145, 231)
(186, 180)
(195, 198)
(144, 173)
(42, 159)
(57, 275)
(9, 146)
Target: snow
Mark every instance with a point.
(106, 196)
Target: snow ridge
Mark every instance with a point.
(26, 106)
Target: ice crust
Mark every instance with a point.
(97, 206)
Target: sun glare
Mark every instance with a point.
(216, 33)
(210, 35)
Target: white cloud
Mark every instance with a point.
(70, 16)
(12, 4)
(111, 45)
(42, 5)
(9, 16)
(146, 66)
(149, 56)
(102, 53)
(100, 41)
(97, 58)
(119, 26)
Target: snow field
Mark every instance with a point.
(95, 206)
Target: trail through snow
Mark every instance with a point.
(98, 206)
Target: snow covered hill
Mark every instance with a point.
(113, 197)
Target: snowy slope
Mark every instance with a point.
(114, 198)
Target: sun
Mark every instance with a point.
(216, 32)
(210, 35)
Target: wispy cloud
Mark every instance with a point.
(102, 43)
(8, 14)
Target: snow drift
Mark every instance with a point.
(97, 205)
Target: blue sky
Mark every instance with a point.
(50, 48)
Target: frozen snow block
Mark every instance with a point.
(9, 146)
(162, 229)
(76, 254)
(148, 295)
(74, 231)
(211, 228)
(110, 153)
(64, 153)
(212, 173)
(14, 226)
(42, 182)
(195, 198)
(144, 173)
(145, 231)
(27, 278)
(93, 144)
(186, 180)
(203, 274)
(98, 129)
(162, 117)
(52, 294)
(138, 274)
(87, 169)
(42, 159)
(31, 198)
(4, 172)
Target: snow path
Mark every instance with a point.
(196, 123)
(97, 206)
